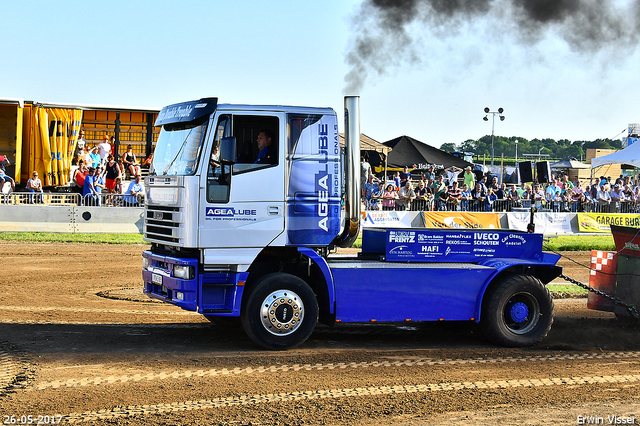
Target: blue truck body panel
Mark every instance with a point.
(445, 281)
(221, 293)
(326, 272)
(400, 292)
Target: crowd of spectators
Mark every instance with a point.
(97, 171)
(456, 190)
(107, 176)
(95, 175)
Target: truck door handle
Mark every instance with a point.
(274, 211)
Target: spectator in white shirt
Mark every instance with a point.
(617, 197)
(452, 174)
(603, 198)
(104, 149)
(617, 194)
(35, 185)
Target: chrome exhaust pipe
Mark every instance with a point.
(352, 172)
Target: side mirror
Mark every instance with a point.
(228, 150)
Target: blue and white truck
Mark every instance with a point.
(244, 241)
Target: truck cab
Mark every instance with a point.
(207, 169)
(214, 210)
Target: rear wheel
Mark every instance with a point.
(281, 311)
(517, 312)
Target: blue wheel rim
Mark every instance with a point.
(521, 313)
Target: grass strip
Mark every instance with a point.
(51, 237)
(580, 243)
(566, 288)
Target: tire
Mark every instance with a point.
(225, 322)
(517, 312)
(281, 311)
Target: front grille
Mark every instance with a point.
(162, 223)
(162, 265)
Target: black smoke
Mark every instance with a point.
(383, 29)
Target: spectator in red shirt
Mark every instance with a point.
(455, 195)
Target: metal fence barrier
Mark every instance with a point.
(71, 199)
(498, 206)
(504, 206)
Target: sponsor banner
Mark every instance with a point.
(461, 246)
(461, 220)
(600, 222)
(546, 223)
(386, 219)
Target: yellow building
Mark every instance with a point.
(42, 136)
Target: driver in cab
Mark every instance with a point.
(267, 154)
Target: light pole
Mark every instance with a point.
(486, 118)
(517, 171)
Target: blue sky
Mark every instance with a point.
(153, 53)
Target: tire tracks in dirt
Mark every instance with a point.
(15, 369)
(408, 362)
(140, 410)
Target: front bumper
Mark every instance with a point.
(216, 293)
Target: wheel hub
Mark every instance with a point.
(282, 312)
(519, 312)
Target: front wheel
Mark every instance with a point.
(281, 312)
(517, 312)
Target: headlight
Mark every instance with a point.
(183, 272)
(145, 263)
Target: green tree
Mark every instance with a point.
(469, 145)
(449, 147)
(562, 148)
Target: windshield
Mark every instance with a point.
(178, 149)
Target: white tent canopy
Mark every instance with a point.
(630, 155)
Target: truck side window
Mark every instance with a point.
(258, 142)
(218, 175)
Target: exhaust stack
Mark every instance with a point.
(352, 187)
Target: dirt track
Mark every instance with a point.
(66, 350)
